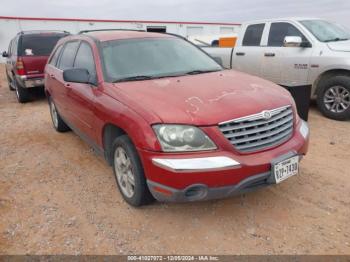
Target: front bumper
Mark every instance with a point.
(216, 174)
(202, 192)
(27, 81)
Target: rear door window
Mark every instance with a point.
(14, 46)
(253, 35)
(68, 55)
(10, 48)
(38, 45)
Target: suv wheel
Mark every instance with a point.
(22, 94)
(57, 121)
(10, 83)
(333, 98)
(129, 173)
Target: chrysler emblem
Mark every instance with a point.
(266, 114)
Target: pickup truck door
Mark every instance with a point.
(247, 56)
(288, 66)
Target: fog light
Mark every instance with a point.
(196, 192)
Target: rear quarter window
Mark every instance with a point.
(253, 35)
(54, 58)
(38, 45)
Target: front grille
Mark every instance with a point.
(259, 131)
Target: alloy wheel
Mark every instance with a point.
(54, 115)
(337, 99)
(124, 172)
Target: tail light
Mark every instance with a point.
(20, 67)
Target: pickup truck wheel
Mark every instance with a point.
(129, 172)
(333, 98)
(10, 83)
(57, 121)
(22, 94)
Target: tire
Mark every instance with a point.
(22, 94)
(333, 97)
(58, 123)
(9, 83)
(129, 174)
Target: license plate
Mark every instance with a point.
(39, 82)
(286, 168)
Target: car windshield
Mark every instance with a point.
(39, 45)
(326, 31)
(147, 58)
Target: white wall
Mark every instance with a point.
(10, 27)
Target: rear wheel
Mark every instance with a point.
(57, 121)
(333, 98)
(10, 83)
(22, 94)
(129, 173)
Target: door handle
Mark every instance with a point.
(240, 54)
(269, 54)
(52, 76)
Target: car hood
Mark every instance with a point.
(204, 99)
(343, 46)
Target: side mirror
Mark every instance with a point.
(76, 75)
(218, 60)
(5, 54)
(292, 41)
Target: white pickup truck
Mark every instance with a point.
(296, 52)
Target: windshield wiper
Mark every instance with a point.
(196, 72)
(133, 78)
(336, 39)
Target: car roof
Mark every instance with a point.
(103, 36)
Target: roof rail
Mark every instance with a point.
(43, 31)
(109, 29)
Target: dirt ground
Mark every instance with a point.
(58, 197)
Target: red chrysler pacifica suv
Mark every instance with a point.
(171, 121)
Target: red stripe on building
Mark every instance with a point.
(111, 20)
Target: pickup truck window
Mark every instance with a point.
(278, 31)
(68, 55)
(85, 59)
(253, 34)
(152, 58)
(325, 31)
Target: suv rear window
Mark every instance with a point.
(38, 45)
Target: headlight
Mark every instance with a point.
(177, 138)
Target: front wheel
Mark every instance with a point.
(129, 172)
(333, 98)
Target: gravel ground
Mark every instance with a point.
(58, 197)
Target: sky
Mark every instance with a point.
(180, 10)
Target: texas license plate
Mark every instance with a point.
(286, 168)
